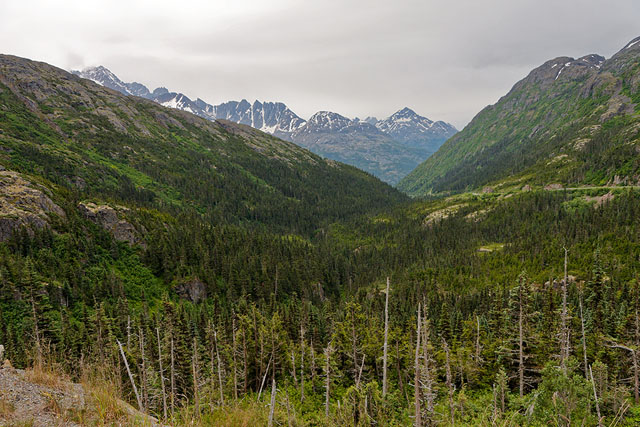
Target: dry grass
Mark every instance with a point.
(106, 408)
(6, 408)
(46, 376)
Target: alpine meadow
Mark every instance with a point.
(169, 262)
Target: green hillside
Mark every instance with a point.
(100, 144)
(570, 121)
(243, 279)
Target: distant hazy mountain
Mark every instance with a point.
(416, 131)
(388, 149)
(357, 143)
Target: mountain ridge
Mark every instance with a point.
(578, 115)
(399, 142)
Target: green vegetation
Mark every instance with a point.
(574, 128)
(262, 267)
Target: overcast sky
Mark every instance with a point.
(446, 59)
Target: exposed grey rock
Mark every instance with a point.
(193, 290)
(416, 131)
(23, 203)
(108, 218)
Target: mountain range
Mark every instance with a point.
(105, 145)
(388, 149)
(569, 122)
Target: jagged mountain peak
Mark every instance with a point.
(387, 148)
(408, 126)
(328, 120)
(104, 77)
(405, 112)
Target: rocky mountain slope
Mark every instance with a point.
(79, 136)
(388, 149)
(415, 131)
(357, 143)
(570, 121)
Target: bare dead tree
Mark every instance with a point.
(264, 378)
(636, 380)
(521, 337)
(416, 380)
(386, 339)
(357, 371)
(564, 327)
(595, 396)
(427, 377)
(272, 406)
(233, 353)
(634, 362)
(143, 370)
(133, 383)
(294, 367)
(477, 346)
(173, 379)
(128, 332)
(327, 373)
(195, 373)
(164, 393)
(313, 366)
(584, 338)
(245, 361)
(215, 343)
(449, 380)
(301, 361)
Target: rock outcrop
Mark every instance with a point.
(107, 217)
(23, 203)
(193, 290)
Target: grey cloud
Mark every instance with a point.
(445, 59)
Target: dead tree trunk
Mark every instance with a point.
(584, 339)
(564, 329)
(595, 396)
(233, 352)
(478, 340)
(273, 402)
(636, 379)
(386, 338)
(195, 369)
(164, 393)
(427, 377)
(520, 339)
(143, 371)
(450, 386)
(128, 332)
(245, 362)
(327, 373)
(301, 362)
(354, 349)
(173, 380)
(293, 367)
(215, 341)
(416, 380)
(133, 383)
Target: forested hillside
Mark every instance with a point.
(210, 274)
(570, 121)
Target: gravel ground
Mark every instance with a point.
(25, 402)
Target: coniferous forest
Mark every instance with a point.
(209, 274)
